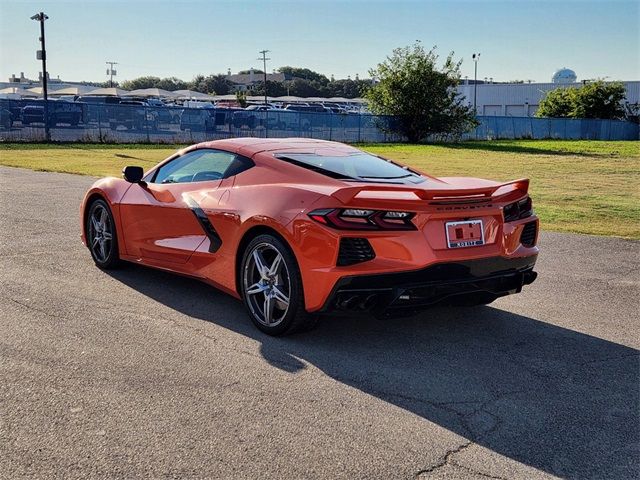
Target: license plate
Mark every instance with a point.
(469, 233)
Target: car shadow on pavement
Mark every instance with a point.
(549, 397)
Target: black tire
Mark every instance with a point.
(283, 321)
(108, 258)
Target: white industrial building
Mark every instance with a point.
(523, 99)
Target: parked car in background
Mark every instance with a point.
(155, 102)
(6, 119)
(60, 112)
(132, 115)
(197, 104)
(15, 107)
(267, 116)
(93, 112)
(197, 119)
(249, 117)
(98, 99)
(306, 108)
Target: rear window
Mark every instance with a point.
(361, 167)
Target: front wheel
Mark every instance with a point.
(100, 232)
(272, 287)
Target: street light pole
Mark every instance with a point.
(42, 55)
(264, 70)
(476, 57)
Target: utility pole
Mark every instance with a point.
(42, 55)
(264, 69)
(111, 72)
(476, 57)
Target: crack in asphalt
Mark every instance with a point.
(34, 309)
(444, 461)
(477, 472)
(448, 460)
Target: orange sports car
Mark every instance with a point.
(296, 227)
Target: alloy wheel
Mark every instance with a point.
(267, 284)
(100, 233)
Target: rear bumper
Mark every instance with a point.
(412, 290)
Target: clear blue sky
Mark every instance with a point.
(519, 39)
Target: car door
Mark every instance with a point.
(162, 221)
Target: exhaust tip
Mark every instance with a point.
(529, 277)
(369, 302)
(350, 302)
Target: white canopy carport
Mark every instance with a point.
(225, 97)
(79, 90)
(338, 100)
(259, 98)
(289, 98)
(192, 95)
(37, 91)
(17, 92)
(109, 92)
(150, 93)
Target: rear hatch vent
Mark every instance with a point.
(528, 235)
(354, 250)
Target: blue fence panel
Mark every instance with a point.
(24, 120)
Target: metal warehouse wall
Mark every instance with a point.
(522, 99)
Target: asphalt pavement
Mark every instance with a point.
(140, 373)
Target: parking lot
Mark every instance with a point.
(139, 373)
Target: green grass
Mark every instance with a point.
(578, 186)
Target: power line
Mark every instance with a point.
(111, 72)
(264, 70)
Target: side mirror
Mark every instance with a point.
(132, 174)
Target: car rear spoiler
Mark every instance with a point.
(434, 195)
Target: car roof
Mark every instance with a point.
(249, 146)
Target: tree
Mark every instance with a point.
(212, 84)
(141, 82)
(241, 98)
(104, 84)
(348, 88)
(593, 100)
(557, 103)
(274, 89)
(305, 74)
(172, 84)
(422, 97)
(300, 87)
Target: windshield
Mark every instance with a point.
(358, 166)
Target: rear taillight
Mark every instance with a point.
(361, 219)
(517, 210)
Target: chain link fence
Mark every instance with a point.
(24, 121)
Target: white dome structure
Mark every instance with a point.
(564, 75)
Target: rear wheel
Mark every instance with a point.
(100, 232)
(272, 287)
